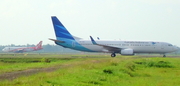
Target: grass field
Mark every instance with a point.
(88, 70)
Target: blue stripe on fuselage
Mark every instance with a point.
(72, 44)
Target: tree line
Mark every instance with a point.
(49, 48)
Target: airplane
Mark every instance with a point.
(65, 39)
(23, 49)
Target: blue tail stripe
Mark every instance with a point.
(63, 30)
(64, 35)
(56, 21)
(60, 30)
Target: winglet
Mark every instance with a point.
(92, 40)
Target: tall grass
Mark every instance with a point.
(17, 63)
(119, 71)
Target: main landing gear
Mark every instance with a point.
(113, 55)
(164, 55)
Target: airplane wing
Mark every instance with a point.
(21, 50)
(109, 48)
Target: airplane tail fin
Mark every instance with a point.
(60, 31)
(39, 46)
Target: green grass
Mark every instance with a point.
(100, 70)
(19, 62)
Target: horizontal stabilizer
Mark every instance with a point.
(57, 40)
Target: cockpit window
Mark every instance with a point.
(170, 45)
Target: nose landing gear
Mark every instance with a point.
(164, 55)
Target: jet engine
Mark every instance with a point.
(127, 52)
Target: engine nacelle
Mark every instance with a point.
(127, 52)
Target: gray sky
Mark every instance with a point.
(29, 21)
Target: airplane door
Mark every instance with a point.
(162, 46)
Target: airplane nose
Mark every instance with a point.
(178, 48)
(175, 48)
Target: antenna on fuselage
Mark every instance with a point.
(98, 38)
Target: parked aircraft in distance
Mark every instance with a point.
(65, 39)
(23, 49)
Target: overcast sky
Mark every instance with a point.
(29, 21)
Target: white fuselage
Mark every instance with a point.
(17, 49)
(65, 39)
(137, 46)
(23, 49)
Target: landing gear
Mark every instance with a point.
(164, 55)
(113, 55)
